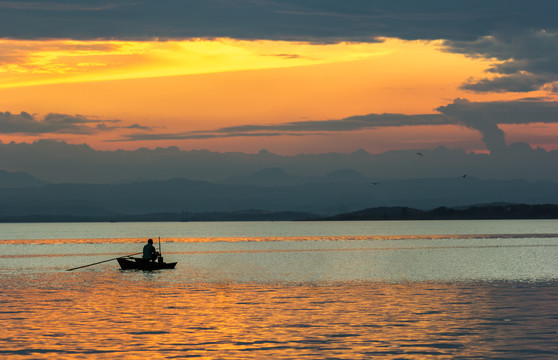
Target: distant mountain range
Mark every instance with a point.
(278, 177)
(269, 194)
(18, 179)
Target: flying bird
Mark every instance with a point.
(420, 154)
(374, 183)
(464, 176)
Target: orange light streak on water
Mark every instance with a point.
(271, 239)
(358, 249)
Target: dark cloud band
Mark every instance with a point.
(481, 116)
(27, 124)
(286, 19)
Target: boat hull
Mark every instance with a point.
(131, 263)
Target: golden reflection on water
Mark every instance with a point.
(104, 314)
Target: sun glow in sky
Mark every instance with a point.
(181, 87)
(70, 61)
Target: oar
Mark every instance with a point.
(100, 262)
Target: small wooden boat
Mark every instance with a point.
(133, 263)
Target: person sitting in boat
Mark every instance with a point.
(149, 252)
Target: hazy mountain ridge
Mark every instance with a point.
(321, 198)
(18, 179)
(278, 177)
(59, 162)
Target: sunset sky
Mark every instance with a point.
(287, 76)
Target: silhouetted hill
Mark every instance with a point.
(18, 179)
(476, 212)
(278, 177)
(343, 176)
(267, 177)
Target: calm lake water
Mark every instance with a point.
(282, 290)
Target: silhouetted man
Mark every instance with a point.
(149, 252)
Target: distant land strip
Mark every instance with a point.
(476, 212)
(249, 215)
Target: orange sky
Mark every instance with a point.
(183, 86)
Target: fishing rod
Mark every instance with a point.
(100, 262)
(160, 259)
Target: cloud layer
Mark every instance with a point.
(27, 124)
(485, 117)
(527, 60)
(299, 128)
(481, 116)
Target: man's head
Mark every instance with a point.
(150, 241)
